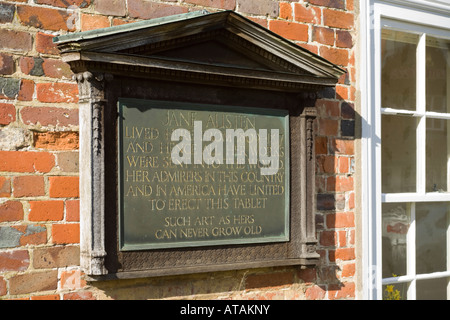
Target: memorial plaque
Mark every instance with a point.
(200, 175)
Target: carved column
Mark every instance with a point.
(92, 227)
(308, 211)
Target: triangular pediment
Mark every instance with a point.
(222, 43)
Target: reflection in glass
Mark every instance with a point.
(398, 74)
(397, 291)
(396, 221)
(398, 152)
(432, 289)
(437, 153)
(437, 74)
(432, 220)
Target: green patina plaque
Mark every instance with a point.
(201, 175)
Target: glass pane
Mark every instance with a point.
(396, 291)
(432, 289)
(398, 74)
(432, 220)
(398, 152)
(437, 154)
(438, 75)
(396, 221)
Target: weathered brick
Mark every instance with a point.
(321, 145)
(63, 187)
(326, 201)
(344, 39)
(72, 280)
(26, 161)
(22, 235)
(7, 65)
(328, 238)
(80, 295)
(57, 92)
(91, 22)
(15, 40)
(342, 254)
(55, 68)
(341, 146)
(26, 90)
(289, 30)
(33, 282)
(5, 187)
(148, 10)
(315, 293)
(73, 210)
(323, 35)
(328, 127)
(286, 11)
(307, 14)
(66, 233)
(3, 289)
(31, 66)
(341, 291)
(347, 128)
(7, 113)
(56, 140)
(68, 161)
(44, 43)
(49, 116)
(50, 210)
(14, 138)
(7, 12)
(44, 18)
(337, 19)
(262, 7)
(339, 183)
(338, 4)
(220, 4)
(340, 220)
(56, 257)
(66, 3)
(28, 186)
(46, 297)
(11, 211)
(110, 7)
(16, 260)
(9, 87)
(335, 55)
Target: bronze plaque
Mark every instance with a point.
(201, 175)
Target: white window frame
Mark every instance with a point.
(417, 16)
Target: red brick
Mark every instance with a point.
(46, 297)
(328, 108)
(342, 254)
(344, 164)
(7, 113)
(7, 65)
(65, 3)
(286, 11)
(26, 161)
(220, 4)
(348, 270)
(17, 260)
(148, 10)
(289, 30)
(26, 90)
(44, 43)
(81, 295)
(341, 146)
(44, 18)
(73, 210)
(335, 55)
(328, 238)
(307, 14)
(307, 274)
(315, 293)
(5, 187)
(340, 183)
(328, 127)
(321, 145)
(66, 233)
(11, 211)
(49, 116)
(72, 280)
(337, 19)
(15, 40)
(55, 68)
(64, 187)
(111, 7)
(33, 282)
(51, 210)
(341, 291)
(340, 220)
(56, 140)
(28, 186)
(323, 35)
(57, 92)
(344, 39)
(3, 289)
(91, 22)
(338, 4)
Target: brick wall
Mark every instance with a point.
(39, 204)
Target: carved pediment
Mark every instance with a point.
(221, 47)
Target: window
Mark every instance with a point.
(407, 153)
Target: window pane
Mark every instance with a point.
(398, 74)
(396, 220)
(396, 291)
(438, 74)
(432, 289)
(431, 237)
(437, 154)
(398, 152)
